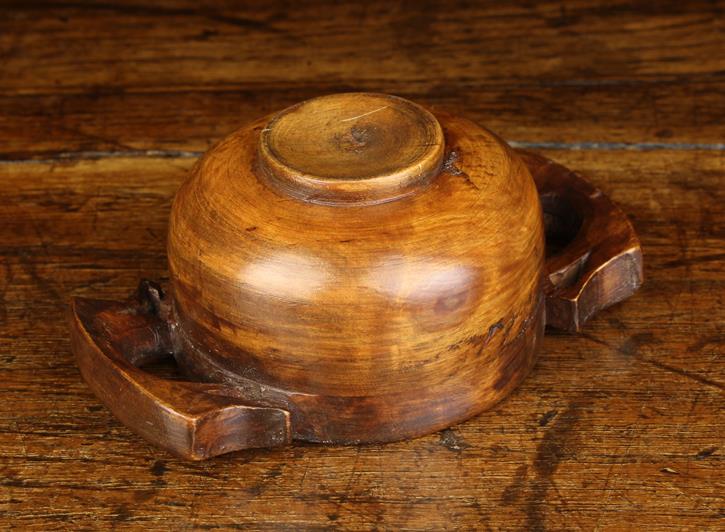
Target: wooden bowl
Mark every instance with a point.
(354, 269)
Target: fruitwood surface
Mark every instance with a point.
(104, 107)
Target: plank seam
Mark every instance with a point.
(530, 145)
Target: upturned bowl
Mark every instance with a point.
(355, 268)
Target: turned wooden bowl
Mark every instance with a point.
(355, 268)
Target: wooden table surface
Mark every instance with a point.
(105, 106)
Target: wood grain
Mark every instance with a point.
(366, 270)
(551, 454)
(190, 44)
(352, 277)
(113, 340)
(620, 427)
(583, 71)
(97, 121)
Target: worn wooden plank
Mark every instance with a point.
(175, 44)
(178, 75)
(643, 114)
(618, 427)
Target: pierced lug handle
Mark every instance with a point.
(593, 255)
(192, 420)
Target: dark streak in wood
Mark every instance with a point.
(556, 445)
(453, 441)
(706, 453)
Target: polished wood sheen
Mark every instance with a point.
(594, 254)
(350, 311)
(106, 106)
(189, 419)
(351, 148)
(365, 302)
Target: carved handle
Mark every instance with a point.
(192, 420)
(593, 255)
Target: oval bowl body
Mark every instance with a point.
(370, 320)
